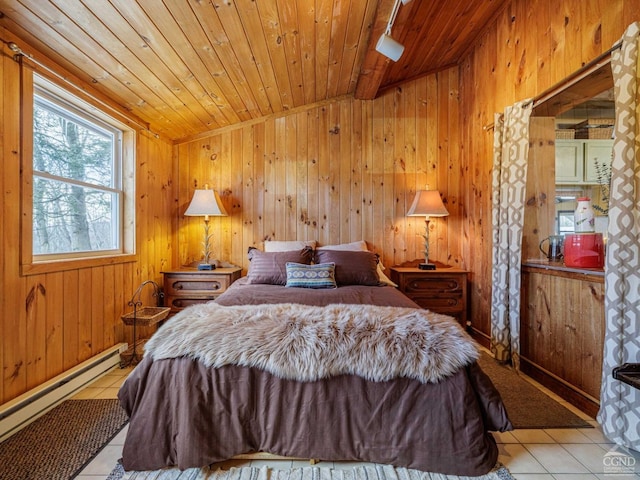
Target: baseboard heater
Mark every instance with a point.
(19, 412)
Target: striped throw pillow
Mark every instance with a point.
(320, 275)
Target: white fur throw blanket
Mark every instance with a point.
(307, 343)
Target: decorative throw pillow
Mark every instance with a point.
(271, 267)
(352, 267)
(320, 275)
(360, 246)
(287, 245)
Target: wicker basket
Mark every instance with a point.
(596, 122)
(601, 128)
(603, 132)
(565, 133)
(146, 316)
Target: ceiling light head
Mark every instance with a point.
(386, 44)
(389, 47)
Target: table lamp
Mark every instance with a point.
(427, 203)
(205, 203)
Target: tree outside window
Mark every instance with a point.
(77, 191)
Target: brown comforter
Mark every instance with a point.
(188, 415)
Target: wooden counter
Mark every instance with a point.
(560, 269)
(562, 330)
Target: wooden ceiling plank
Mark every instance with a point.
(374, 64)
(158, 32)
(210, 70)
(160, 82)
(48, 68)
(251, 22)
(339, 21)
(288, 13)
(437, 34)
(201, 65)
(412, 38)
(360, 19)
(324, 10)
(274, 36)
(151, 66)
(131, 95)
(306, 34)
(234, 65)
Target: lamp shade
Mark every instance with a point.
(205, 203)
(427, 203)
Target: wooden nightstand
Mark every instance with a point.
(189, 286)
(443, 290)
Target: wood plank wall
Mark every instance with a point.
(532, 46)
(54, 321)
(334, 172)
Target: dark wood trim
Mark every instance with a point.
(577, 398)
(480, 337)
(574, 396)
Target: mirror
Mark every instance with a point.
(583, 160)
(580, 104)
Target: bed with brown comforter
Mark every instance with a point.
(352, 373)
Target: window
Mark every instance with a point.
(78, 193)
(565, 222)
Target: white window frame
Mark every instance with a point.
(123, 186)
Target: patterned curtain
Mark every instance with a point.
(510, 152)
(619, 412)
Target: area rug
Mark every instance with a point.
(527, 406)
(378, 472)
(62, 442)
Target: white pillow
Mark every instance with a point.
(358, 246)
(286, 246)
(353, 246)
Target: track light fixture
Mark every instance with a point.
(386, 44)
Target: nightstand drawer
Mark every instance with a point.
(178, 303)
(421, 284)
(448, 305)
(192, 284)
(443, 290)
(186, 287)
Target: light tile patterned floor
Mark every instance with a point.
(552, 454)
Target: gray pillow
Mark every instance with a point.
(352, 268)
(271, 267)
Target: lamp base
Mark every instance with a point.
(426, 266)
(206, 266)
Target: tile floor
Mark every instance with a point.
(553, 454)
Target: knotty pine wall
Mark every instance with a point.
(336, 172)
(532, 46)
(54, 321)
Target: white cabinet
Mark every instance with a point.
(576, 160)
(569, 161)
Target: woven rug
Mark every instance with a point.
(378, 472)
(527, 406)
(62, 442)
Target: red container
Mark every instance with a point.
(585, 250)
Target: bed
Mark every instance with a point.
(355, 371)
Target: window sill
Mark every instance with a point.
(51, 266)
